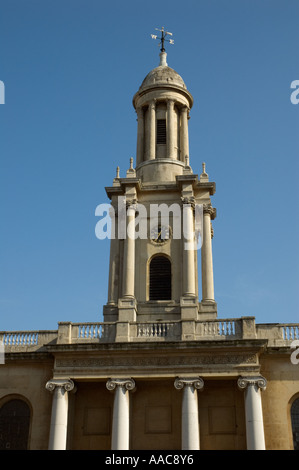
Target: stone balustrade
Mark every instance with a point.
(158, 330)
(280, 335)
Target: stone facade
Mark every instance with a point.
(162, 371)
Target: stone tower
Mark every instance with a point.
(162, 213)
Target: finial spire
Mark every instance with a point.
(163, 38)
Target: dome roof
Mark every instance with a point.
(163, 75)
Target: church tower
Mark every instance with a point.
(162, 212)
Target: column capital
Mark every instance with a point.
(188, 200)
(170, 102)
(128, 384)
(196, 382)
(139, 111)
(152, 103)
(131, 204)
(185, 108)
(257, 381)
(67, 384)
(209, 209)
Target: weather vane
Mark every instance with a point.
(163, 38)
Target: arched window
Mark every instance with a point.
(14, 425)
(295, 423)
(160, 278)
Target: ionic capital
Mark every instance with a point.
(196, 382)
(208, 209)
(67, 384)
(131, 204)
(258, 381)
(128, 384)
(188, 201)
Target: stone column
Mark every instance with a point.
(253, 411)
(184, 137)
(188, 248)
(129, 253)
(206, 255)
(140, 136)
(120, 419)
(190, 419)
(59, 417)
(151, 132)
(170, 131)
(114, 260)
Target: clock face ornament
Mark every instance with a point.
(160, 234)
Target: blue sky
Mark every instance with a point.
(70, 70)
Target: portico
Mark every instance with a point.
(125, 428)
(189, 395)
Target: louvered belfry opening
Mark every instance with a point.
(160, 278)
(161, 131)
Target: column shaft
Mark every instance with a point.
(140, 136)
(188, 250)
(120, 420)
(170, 132)
(184, 137)
(113, 263)
(206, 258)
(255, 435)
(129, 255)
(151, 134)
(190, 419)
(59, 416)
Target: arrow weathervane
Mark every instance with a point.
(163, 37)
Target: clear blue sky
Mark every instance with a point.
(71, 68)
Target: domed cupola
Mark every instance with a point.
(162, 104)
(162, 75)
